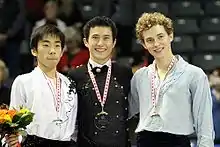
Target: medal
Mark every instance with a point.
(56, 95)
(156, 122)
(58, 122)
(102, 118)
(155, 91)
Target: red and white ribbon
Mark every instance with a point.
(154, 90)
(102, 99)
(56, 93)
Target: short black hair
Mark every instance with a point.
(99, 21)
(45, 30)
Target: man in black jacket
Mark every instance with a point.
(102, 88)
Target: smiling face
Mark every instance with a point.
(48, 52)
(155, 32)
(157, 41)
(100, 43)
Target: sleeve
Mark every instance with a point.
(202, 111)
(17, 94)
(133, 98)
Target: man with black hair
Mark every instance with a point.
(48, 94)
(102, 88)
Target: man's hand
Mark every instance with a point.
(12, 140)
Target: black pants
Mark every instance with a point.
(35, 141)
(160, 139)
(84, 141)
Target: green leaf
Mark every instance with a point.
(16, 118)
(26, 119)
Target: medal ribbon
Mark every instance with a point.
(102, 99)
(154, 90)
(57, 93)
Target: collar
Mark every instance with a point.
(179, 66)
(94, 64)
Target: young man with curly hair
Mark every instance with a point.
(173, 96)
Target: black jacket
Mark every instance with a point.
(116, 134)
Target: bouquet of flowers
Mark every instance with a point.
(14, 121)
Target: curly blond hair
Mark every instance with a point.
(148, 20)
